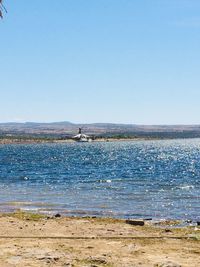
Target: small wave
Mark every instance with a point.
(186, 187)
(105, 181)
(27, 204)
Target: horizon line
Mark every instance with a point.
(90, 123)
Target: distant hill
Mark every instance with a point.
(67, 129)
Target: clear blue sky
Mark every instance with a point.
(128, 61)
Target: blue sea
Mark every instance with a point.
(133, 179)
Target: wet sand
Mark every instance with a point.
(35, 240)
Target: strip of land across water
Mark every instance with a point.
(34, 240)
(65, 131)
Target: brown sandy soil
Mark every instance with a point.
(34, 240)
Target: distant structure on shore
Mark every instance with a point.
(82, 137)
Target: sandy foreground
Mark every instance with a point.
(34, 240)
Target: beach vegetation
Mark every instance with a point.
(22, 215)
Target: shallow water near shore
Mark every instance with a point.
(138, 179)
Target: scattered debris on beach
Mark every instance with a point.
(28, 239)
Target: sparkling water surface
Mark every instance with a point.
(141, 179)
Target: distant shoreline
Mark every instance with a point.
(5, 141)
(59, 131)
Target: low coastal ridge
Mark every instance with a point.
(59, 131)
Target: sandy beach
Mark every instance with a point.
(36, 240)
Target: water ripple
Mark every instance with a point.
(158, 178)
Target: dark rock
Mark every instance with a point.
(97, 260)
(49, 259)
(57, 215)
(198, 223)
(135, 222)
(168, 231)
